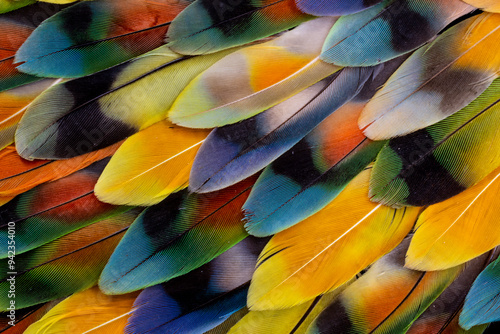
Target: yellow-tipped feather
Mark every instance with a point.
(89, 311)
(150, 165)
(458, 229)
(328, 249)
(292, 320)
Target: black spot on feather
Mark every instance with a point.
(229, 16)
(77, 21)
(85, 128)
(428, 181)
(409, 29)
(158, 218)
(298, 165)
(334, 319)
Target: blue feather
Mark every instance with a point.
(482, 304)
(200, 300)
(388, 30)
(227, 157)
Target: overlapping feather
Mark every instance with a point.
(437, 80)
(150, 165)
(94, 35)
(285, 102)
(255, 78)
(312, 257)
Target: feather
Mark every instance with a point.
(436, 163)
(206, 26)
(388, 30)
(89, 310)
(143, 172)
(334, 8)
(24, 318)
(54, 209)
(10, 5)
(6, 199)
(64, 266)
(18, 175)
(200, 300)
(14, 33)
(291, 190)
(486, 5)
(291, 272)
(442, 315)
(254, 78)
(386, 299)
(227, 157)
(178, 235)
(310, 175)
(229, 323)
(458, 229)
(108, 32)
(314, 171)
(13, 103)
(289, 161)
(437, 81)
(291, 320)
(93, 112)
(482, 302)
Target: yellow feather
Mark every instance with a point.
(328, 249)
(150, 165)
(84, 312)
(459, 229)
(285, 321)
(487, 5)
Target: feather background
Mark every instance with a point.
(249, 166)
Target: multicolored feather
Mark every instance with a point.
(290, 272)
(208, 26)
(227, 157)
(64, 266)
(200, 300)
(183, 232)
(94, 35)
(438, 80)
(54, 209)
(255, 78)
(388, 30)
(310, 175)
(441, 161)
(93, 112)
